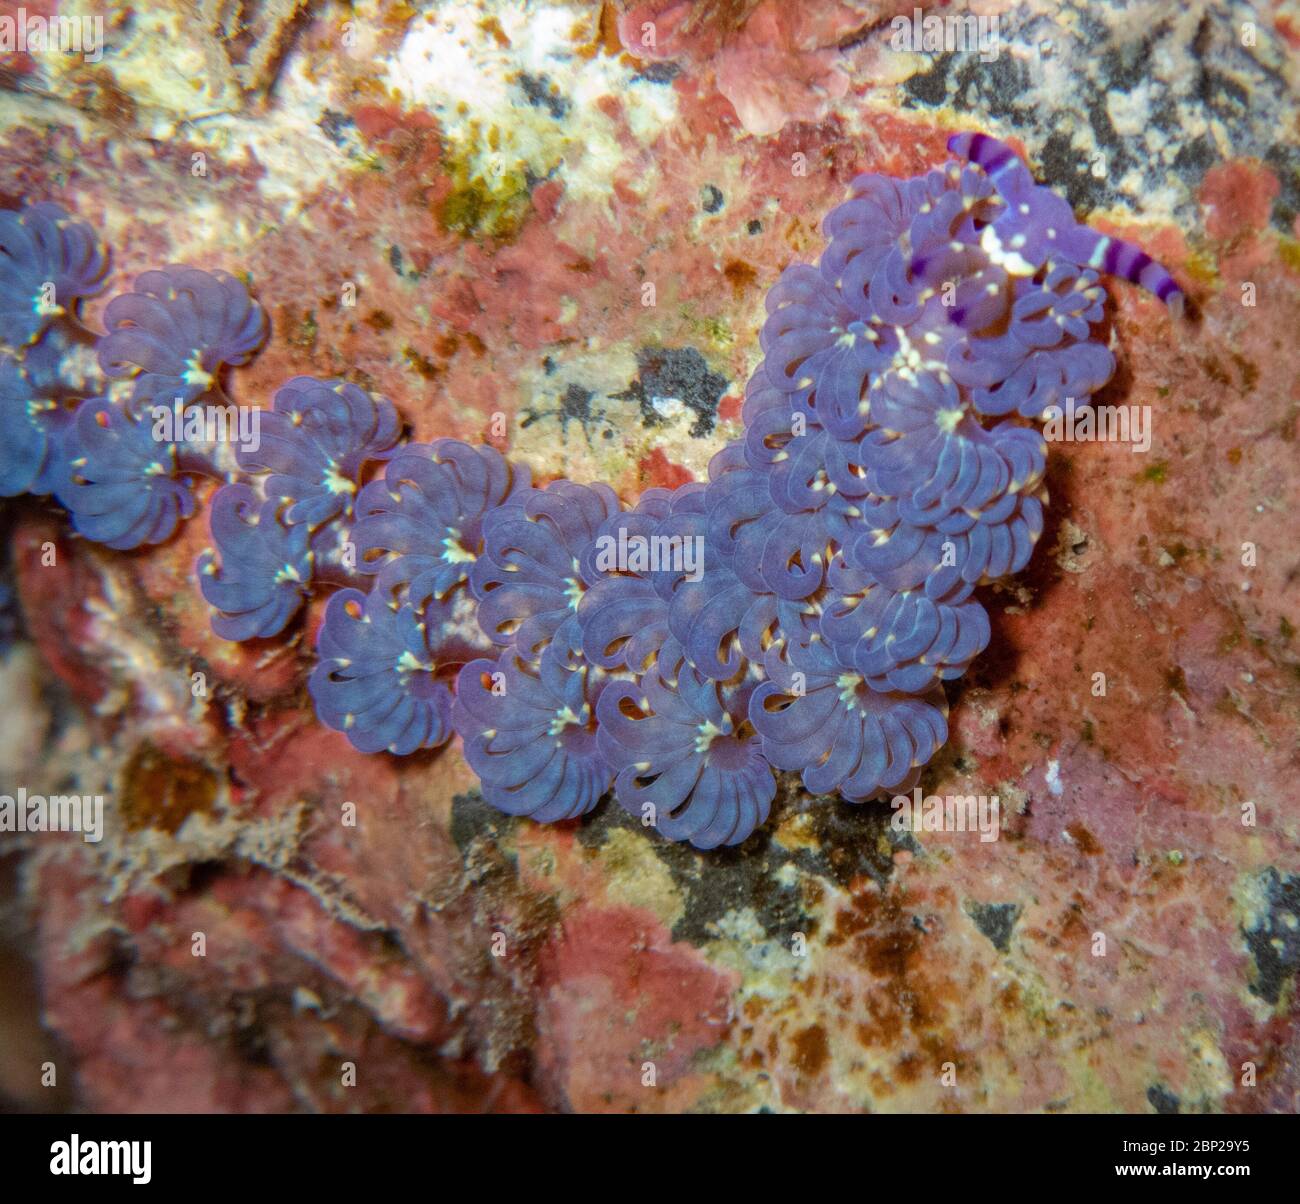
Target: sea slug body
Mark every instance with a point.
(800, 610)
(420, 525)
(314, 442)
(286, 524)
(48, 264)
(377, 680)
(677, 749)
(265, 568)
(175, 331)
(529, 733)
(33, 426)
(816, 715)
(529, 579)
(119, 484)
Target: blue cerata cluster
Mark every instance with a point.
(799, 611)
(167, 340)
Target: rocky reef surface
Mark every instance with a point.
(460, 205)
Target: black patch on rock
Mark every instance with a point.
(711, 198)
(332, 125)
(852, 842)
(930, 87)
(1163, 1100)
(659, 73)
(248, 1034)
(717, 881)
(680, 372)
(1071, 174)
(1000, 85)
(1128, 65)
(1218, 80)
(573, 405)
(1274, 942)
(472, 818)
(1223, 95)
(542, 93)
(576, 402)
(1194, 159)
(996, 921)
(1284, 159)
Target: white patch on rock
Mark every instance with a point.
(471, 82)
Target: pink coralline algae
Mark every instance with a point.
(774, 62)
(800, 610)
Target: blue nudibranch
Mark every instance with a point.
(889, 466)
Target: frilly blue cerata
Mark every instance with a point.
(798, 611)
(175, 331)
(48, 264)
